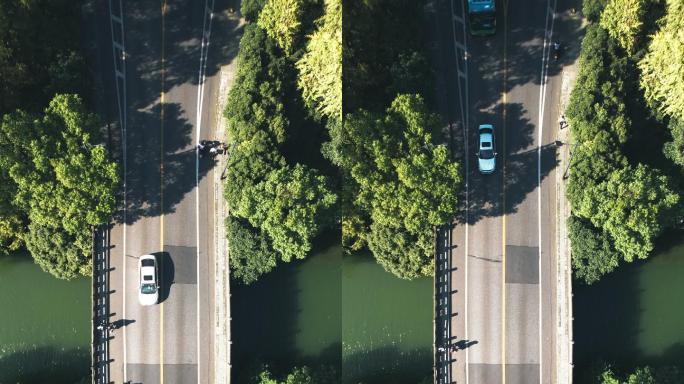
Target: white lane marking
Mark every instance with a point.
(546, 45)
(466, 124)
(121, 102)
(204, 52)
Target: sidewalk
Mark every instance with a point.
(564, 336)
(222, 315)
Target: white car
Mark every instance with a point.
(148, 293)
(486, 153)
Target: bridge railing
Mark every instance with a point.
(100, 307)
(442, 307)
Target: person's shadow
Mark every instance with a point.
(463, 344)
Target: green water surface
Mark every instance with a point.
(386, 324)
(44, 325)
(635, 316)
(346, 312)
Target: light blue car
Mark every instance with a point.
(486, 152)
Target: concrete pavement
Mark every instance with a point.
(504, 270)
(168, 96)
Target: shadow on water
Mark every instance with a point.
(291, 316)
(387, 365)
(630, 318)
(46, 365)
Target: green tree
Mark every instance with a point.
(250, 9)
(320, 68)
(623, 20)
(674, 150)
(251, 254)
(662, 68)
(292, 206)
(282, 21)
(64, 182)
(633, 206)
(59, 252)
(39, 53)
(285, 203)
(303, 375)
(644, 375)
(592, 252)
(405, 183)
(592, 9)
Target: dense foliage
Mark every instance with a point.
(662, 68)
(383, 38)
(645, 375)
(251, 255)
(282, 21)
(404, 183)
(593, 254)
(39, 54)
(62, 182)
(398, 183)
(280, 199)
(620, 203)
(623, 19)
(303, 375)
(320, 68)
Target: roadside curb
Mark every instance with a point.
(222, 296)
(564, 330)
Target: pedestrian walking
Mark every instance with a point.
(562, 122)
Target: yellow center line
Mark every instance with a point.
(503, 206)
(161, 194)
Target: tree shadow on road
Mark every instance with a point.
(520, 157)
(149, 140)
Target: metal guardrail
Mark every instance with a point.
(442, 306)
(100, 303)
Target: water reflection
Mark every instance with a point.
(45, 332)
(634, 316)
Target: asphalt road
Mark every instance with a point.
(502, 247)
(167, 97)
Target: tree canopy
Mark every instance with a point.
(63, 182)
(279, 204)
(643, 375)
(622, 19)
(619, 204)
(303, 375)
(281, 19)
(320, 68)
(662, 68)
(404, 182)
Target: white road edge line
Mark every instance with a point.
(466, 124)
(204, 49)
(122, 117)
(546, 44)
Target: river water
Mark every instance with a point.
(634, 316)
(44, 325)
(330, 310)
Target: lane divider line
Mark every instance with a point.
(546, 51)
(161, 191)
(464, 107)
(503, 202)
(201, 77)
(120, 73)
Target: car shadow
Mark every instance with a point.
(166, 274)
